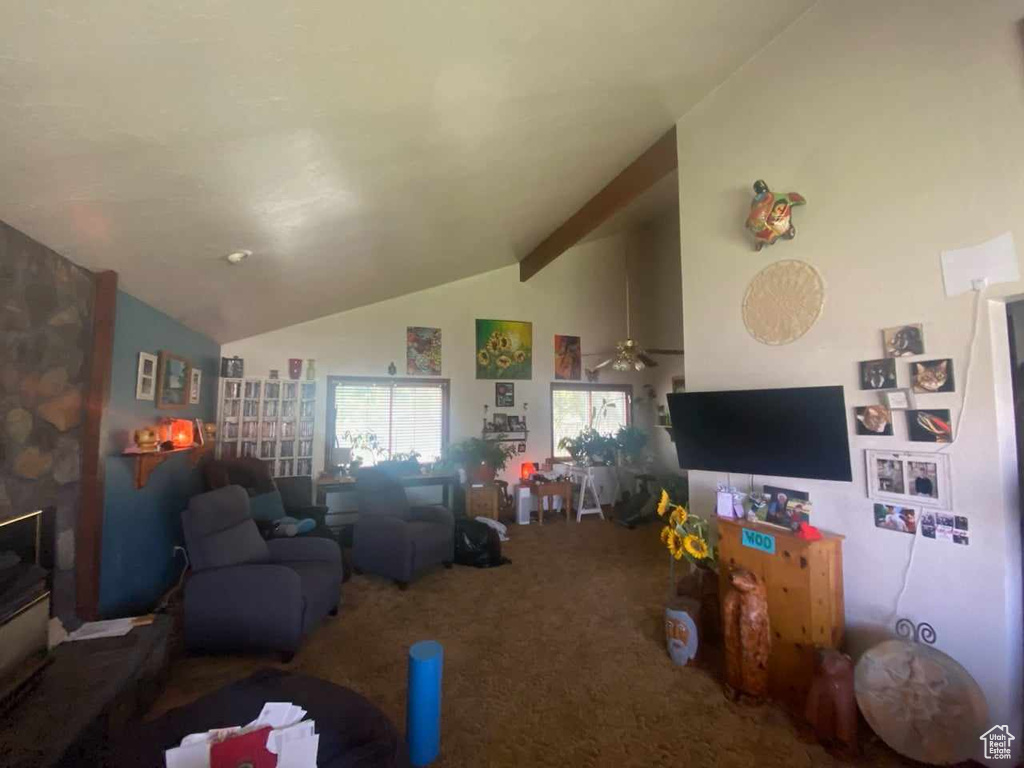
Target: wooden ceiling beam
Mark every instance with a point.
(659, 160)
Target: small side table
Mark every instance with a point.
(586, 478)
(482, 501)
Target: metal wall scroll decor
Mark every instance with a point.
(919, 633)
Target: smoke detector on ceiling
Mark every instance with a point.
(237, 257)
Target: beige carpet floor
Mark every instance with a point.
(555, 660)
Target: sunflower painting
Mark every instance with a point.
(504, 349)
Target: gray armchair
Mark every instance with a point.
(246, 593)
(394, 540)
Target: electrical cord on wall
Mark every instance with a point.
(177, 587)
(979, 289)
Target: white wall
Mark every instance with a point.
(901, 123)
(582, 293)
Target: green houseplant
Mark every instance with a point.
(482, 459)
(632, 443)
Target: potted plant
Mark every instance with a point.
(481, 459)
(632, 443)
(590, 448)
(687, 537)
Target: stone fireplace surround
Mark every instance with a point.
(46, 326)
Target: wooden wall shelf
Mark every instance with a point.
(146, 462)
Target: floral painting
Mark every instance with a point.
(423, 351)
(504, 349)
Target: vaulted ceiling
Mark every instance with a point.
(361, 150)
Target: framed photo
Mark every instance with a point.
(504, 394)
(932, 376)
(195, 386)
(515, 423)
(896, 517)
(174, 374)
(232, 367)
(878, 374)
(931, 426)
(874, 420)
(900, 400)
(903, 340)
(145, 379)
(917, 479)
(500, 422)
(521, 447)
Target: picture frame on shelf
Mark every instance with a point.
(195, 386)
(174, 374)
(909, 478)
(145, 378)
(515, 423)
(499, 422)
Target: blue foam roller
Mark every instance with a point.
(423, 709)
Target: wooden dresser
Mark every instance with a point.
(804, 580)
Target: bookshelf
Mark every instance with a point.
(268, 419)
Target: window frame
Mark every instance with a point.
(330, 426)
(627, 389)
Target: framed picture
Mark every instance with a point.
(515, 423)
(568, 360)
(895, 517)
(903, 340)
(917, 479)
(521, 447)
(878, 374)
(504, 349)
(423, 351)
(500, 422)
(145, 379)
(932, 376)
(504, 394)
(195, 386)
(899, 400)
(931, 426)
(942, 526)
(232, 367)
(174, 374)
(874, 420)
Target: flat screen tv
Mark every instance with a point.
(799, 432)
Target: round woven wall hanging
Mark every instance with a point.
(783, 302)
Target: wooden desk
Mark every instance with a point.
(446, 480)
(804, 581)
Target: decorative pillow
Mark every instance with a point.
(266, 507)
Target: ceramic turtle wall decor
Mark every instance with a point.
(771, 215)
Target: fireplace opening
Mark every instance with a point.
(25, 584)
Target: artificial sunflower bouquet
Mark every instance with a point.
(685, 535)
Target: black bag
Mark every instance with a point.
(477, 544)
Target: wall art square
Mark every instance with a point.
(909, 479)
(903, 340)
(942, 526)
(568, 358)
(930, 426)
(145, 378)
(423, 351)
(232, 367)
(195, 386)
(172, 381)
(899, 400)
(893, 517)
(932, 376)
(874, 420)
(878, 374)
(504, 350)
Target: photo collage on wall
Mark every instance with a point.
(907, 488)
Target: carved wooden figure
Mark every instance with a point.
(831, 707)
(747, 634)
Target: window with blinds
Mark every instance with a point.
(577, 407)
(405, 415)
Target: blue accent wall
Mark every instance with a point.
(140, 527)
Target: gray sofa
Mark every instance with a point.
(246, 593)
(394, 540)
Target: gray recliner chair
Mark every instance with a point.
(394, 540)
(249, 594)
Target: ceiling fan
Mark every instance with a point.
(629, 355)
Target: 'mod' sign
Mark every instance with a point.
(764, 542)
